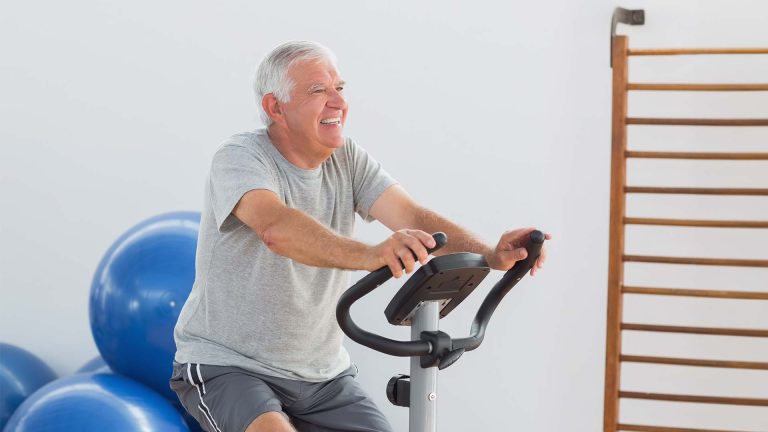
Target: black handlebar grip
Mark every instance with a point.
(440, 240)
(535, 243)
(537, 238)
(497, 293)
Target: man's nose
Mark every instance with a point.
(337, 101)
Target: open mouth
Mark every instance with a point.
(331, 121)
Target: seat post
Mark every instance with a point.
(423, 397)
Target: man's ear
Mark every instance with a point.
(274, 108)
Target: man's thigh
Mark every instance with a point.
(222, 398)
(337, 405)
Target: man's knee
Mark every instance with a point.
(271, 421)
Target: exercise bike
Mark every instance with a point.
(430, 294)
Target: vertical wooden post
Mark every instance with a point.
(616, 235)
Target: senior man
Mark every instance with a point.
(258, 346)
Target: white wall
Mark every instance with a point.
(496, 114)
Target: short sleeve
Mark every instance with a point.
(236, 170)
(369, 179)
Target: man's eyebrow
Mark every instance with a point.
(317, 86)
(314, 87)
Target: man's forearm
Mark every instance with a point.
(302, 238)
(459, 238)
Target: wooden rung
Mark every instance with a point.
(694, 51)
(720, 400)
(743, 295)
(696, 261)
(696, 155)
(641, 428)
(695, 121)
(695, 362)
(696, 223)
(695, 330)
(697, 87)
(695, 191)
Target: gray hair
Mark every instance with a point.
(272, 73)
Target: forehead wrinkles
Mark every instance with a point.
(308, 75)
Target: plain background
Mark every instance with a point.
(496, 114)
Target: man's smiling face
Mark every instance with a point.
(317, 110)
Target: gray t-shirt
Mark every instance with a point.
(250, 307)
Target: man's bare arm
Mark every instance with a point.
(397, 210)
(296, 235)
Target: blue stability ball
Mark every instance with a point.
(137, 293)
(96, 402)
(21, 373)
(97, 364)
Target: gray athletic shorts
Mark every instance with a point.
(228, 399)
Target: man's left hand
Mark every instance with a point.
(511, 248)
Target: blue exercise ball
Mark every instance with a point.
(96, 402)
(137, 293)
(96, 364)
(21, 373)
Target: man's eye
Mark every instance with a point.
(340, 88)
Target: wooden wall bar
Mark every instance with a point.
(617, 257)
(616, 235)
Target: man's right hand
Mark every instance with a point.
(404, 246)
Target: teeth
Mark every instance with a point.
(335, 120)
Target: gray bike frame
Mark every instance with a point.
(423, 409)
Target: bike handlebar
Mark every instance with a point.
(422, 347)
